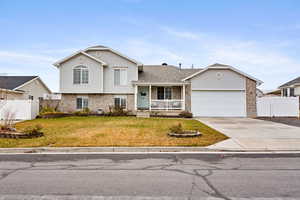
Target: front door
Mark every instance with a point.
(143, 97)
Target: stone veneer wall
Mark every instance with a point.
(96, 101)
(188, 99)
(251, 98)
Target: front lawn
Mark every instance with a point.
(112, 131)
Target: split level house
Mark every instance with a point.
(291, 88)
(99, 77)
(22, 88)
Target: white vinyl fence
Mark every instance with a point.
(278, 107)
(19, 109)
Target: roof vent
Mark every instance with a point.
(164, 64)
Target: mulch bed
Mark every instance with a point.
(16, 135)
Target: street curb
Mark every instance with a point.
(79, 150)
(102, 149)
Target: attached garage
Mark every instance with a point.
(219, 103)
(222, 91)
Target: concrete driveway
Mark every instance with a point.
(254, 134)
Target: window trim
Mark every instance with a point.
(120, 82)
(82, 102)
(121, 97)
(81, 68)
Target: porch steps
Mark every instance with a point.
(144, 114)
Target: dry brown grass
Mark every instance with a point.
(112, 131)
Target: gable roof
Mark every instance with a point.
(295, 81)
(164, 74)
(97, 47)
(222, 66)
(102, 48)
(13, 83)
(77, 53)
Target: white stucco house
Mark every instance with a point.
(98, 77)
(22, 88)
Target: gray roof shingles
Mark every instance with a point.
(292, 82)
(163, 74)
(12, 82)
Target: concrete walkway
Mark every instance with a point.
(253, 134)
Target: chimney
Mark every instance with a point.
(192, 66)
(164, 64)
(179, 65)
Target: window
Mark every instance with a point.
(120, 77)
(80, 75)
(292, 92)
(284, 92)
(30, 97)
(82, 102)
(164, 93)
(120, 102)
(160, 93)
(168, 93)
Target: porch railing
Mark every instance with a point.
(166, 104)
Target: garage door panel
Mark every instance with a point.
(219, 103)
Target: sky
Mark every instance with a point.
(259, 37)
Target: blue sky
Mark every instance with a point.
(260, 37)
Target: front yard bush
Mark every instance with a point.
(186, 114)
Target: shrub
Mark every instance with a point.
(186, 114)
(83, 112)
(116, 111)
(47, 109)
(53, 114)
(176, 129)
(31, 130)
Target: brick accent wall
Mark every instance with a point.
(96, 101)
(251, 98)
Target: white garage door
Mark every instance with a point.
(219, 103)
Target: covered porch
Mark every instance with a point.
(160, 97)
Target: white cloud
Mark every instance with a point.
(9, 56)
(181, 34)
(260, 59)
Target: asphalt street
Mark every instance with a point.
(150, 176)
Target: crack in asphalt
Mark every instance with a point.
(212, 191)
(5, 175)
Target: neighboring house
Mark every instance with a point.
(99, 77)
(272, 93)
(259, 93)
(22, 87)
(291, 88)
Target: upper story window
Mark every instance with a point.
(120, 77)
(81, 75)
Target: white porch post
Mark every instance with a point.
(135, 96)
(150, 91)
(183, 97)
